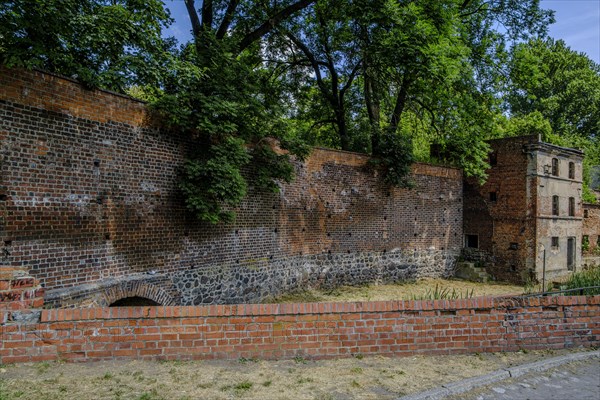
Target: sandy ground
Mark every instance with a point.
(403, 291)
(353, 378)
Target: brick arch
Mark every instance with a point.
(137, 289)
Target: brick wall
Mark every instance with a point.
(18, 291)
(90, 205)
(504, 224)
(314, 330)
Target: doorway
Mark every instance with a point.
(571, 253)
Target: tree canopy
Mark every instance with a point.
(392, 78)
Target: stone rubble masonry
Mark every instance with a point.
(312, 330)
(90, 208)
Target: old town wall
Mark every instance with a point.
(90, 208)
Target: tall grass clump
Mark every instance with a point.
(444, 293)
(584, 278)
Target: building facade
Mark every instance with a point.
(526, 220)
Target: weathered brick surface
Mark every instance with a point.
(515, 227)
(313, 330)
(90, 198)
(18, 291)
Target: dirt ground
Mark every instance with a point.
(403, 291)
(353, 378)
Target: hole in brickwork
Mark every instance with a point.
(513, 268)
(237, 232)
(8, 242)
(134, 302)
(349, 233)
(275, 230)
(415, 235)
(328, 234)
(303, 229)
(99, 200)
(3, 197)
(328, 251)
(271, 257)
(273, 207)
(96, 163)
(385, 218)
(107, 236)
(328, 215)
(384, 251)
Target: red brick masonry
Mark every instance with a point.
(315, 330)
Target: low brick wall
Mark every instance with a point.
(314, 330)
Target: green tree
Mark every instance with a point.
(110, 44)
(556, 90)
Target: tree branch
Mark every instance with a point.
(207, 14)
(272, 22)
(194, 19)
(351, 78)
(227, 18)
(314, 62)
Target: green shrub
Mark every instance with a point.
(584, 278)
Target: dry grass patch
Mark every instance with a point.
(351, 378)
(401, 291)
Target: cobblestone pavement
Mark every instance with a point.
(573, 381)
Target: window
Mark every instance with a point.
(555, 205)
(493, 196)
(585, 214)
(571, 206)
(514, 246)
(472, 241)
(493, 158)
(555, 242)
(571, 170)
(555, 166)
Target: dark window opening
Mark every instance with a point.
(571, 206)
(493, 158)
(493, 196)
(3, 197)
(585, 214)
(514, 246)
(472, 241)
(555, 205)
(555, 242)
(555, 166)
(571, 170)
(134, 301)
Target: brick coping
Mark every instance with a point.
(461, 306)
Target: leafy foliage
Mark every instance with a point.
(212, 180)
(109, 44)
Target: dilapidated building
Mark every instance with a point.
(527, 218)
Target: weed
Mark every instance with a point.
(243, 386)
(42, 367)
(107, 376)
(243, 360)
(442, 293)
(62, 389)
(357, 370)
(304, 380)
(267, 383)
(355, 384)
(358, 356)
(300, 360)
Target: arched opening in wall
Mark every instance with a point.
(134, 301)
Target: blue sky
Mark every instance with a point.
(577, 23)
